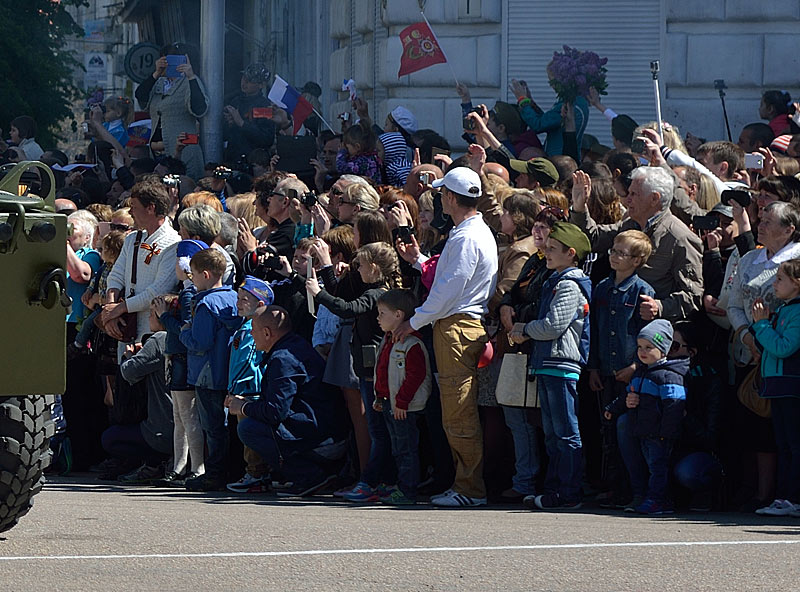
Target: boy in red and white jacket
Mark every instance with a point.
(403, 384)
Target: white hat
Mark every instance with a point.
(405, 119)
(461, 180)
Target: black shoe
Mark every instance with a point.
(144, 475)
(306, 489)
(171, 479)
(205, 483)
(113, 468)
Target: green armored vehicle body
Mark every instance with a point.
(33, 304)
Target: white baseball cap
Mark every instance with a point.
(405, 119)
(461, 180)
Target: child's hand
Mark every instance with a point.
(400, 414)
(632, 400)
(760, 311)
(595, 381)
(377, 405)
(607, 415)
(159, 305)
(86, 297)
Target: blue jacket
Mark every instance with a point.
(173, 324)
(294, 401)
(550, 122)
(616, 323)
(244, 371)
(779, 340)
(207, 337)
(561, 332)
(662, 399)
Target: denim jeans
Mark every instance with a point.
(644, 456)
(404, 435)
(559, 399)
(380, 466)
(697, 471)
(786, 420)
(210, 404)
(525, 449)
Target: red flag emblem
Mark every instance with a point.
(420, 49)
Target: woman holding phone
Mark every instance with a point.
(176, 99)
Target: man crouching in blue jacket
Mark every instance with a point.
(654, 403)
(296, 426)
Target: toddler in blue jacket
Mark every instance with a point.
(650, 418)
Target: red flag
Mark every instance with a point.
(301, 112)
(420, 49)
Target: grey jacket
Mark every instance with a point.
(149, 364)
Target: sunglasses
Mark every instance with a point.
(676, 345)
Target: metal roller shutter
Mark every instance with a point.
(628, 33)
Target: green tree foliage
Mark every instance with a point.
(36, 69)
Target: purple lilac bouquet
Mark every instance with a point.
(574, 72)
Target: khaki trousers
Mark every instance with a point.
(458, 342)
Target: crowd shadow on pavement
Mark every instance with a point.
(88, 483)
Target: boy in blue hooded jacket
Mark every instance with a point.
(206, 338)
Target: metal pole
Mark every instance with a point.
(654, 68)
(212, 35)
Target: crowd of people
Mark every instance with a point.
(543, 321)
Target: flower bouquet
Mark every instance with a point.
(574, 72)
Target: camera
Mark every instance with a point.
(719, 84)
(308, 199)
(708, 222)
(171, 180)
(469, 124)
(222, 172)
(737, 195)
(344, 116)
(637, 146)
(268, 256)
(404, 234)
(654, 67)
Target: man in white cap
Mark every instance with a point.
(466, 274)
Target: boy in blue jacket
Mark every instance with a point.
(244, 374)
(561, 349)
(206, 338)
(650, 418)
(616, 323)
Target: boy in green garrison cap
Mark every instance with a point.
(561, 349)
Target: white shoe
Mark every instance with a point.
(777, 508)
(247, 484)
(452, 499)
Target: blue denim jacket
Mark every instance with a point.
(616, 323)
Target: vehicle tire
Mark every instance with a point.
(25, 432)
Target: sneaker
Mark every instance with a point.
(305, 489)
(144, 475)
(652, 507)
(453, 499)
(397, 498)
(634, 503)
(777, 508)
(529, 501)
(204, 483)
(796, 512)
(362, 492)
(344, 490)
(553, 501)
(700, 502)
(250, 484)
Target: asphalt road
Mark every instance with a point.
(84, 535)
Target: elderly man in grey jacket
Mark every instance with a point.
(675, 269)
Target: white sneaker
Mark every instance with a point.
(777, 508)
(452, 499)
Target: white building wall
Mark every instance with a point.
(752, 45)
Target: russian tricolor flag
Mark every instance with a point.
(288, 97)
